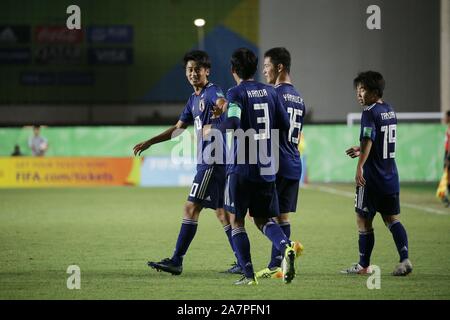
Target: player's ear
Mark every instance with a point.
(208, 72)
(280, 67)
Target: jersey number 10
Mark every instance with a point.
(390, 136)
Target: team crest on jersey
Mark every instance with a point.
(201, 105)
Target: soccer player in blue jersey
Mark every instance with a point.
(376, 174)
(208, 186)
(253, 111)
(277, 64)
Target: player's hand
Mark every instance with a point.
(359, 177)
(141, 147)
(353, 152)
(206, 130)
(219, 108)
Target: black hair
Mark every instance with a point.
(372, 81)
(279, 55)
(448, 113)
(200, 57)
(244, 62)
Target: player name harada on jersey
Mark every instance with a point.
(257, 93)
(221, 309)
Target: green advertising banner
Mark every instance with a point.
(419, 147)
(419, 152)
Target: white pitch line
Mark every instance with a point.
(352, 195)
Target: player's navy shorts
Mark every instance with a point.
(368, 202)
(287, 190)
(260, 198)
(208, 187)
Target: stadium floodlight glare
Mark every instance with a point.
(199, 22)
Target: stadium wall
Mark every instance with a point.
(330, 43)
(419, 150)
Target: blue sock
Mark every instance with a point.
(273, 231)
(227, 230)
(366, 243)
(277, 255)
(400, 238)
(242, 247)
(187, 233)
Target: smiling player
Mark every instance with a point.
(208, 186)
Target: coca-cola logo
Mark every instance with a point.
(58, 34)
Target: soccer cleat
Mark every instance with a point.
(288, 263)
(403, 268)
(298, 248)
(235, 269)
(356, 268)
(166, 265)
(246, 281)
(274, 273)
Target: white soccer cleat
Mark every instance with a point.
(403, 268)
(356, 268)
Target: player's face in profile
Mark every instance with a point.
(364, 96)
(269, 71)
(196, 75)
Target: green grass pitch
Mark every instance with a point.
(110, 233)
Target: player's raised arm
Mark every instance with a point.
(170, 133)
(232, 121)
(219, 108)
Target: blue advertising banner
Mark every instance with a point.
(166, 171)
(15, 55)
(110, 34)
(110, 56)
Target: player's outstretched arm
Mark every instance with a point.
(353, 152)
(170, 133)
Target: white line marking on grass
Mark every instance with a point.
(430, 210)
(352, 195)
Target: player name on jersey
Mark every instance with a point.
(387, 115)
(257, 93)
(292, 98)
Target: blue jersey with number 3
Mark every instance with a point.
(290, 164)
(260, 112)
(379, 124)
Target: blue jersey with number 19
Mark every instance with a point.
(260, 109)
(379, 124)
(290, 164)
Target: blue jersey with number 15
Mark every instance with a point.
(290, 164)
(379, 124)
